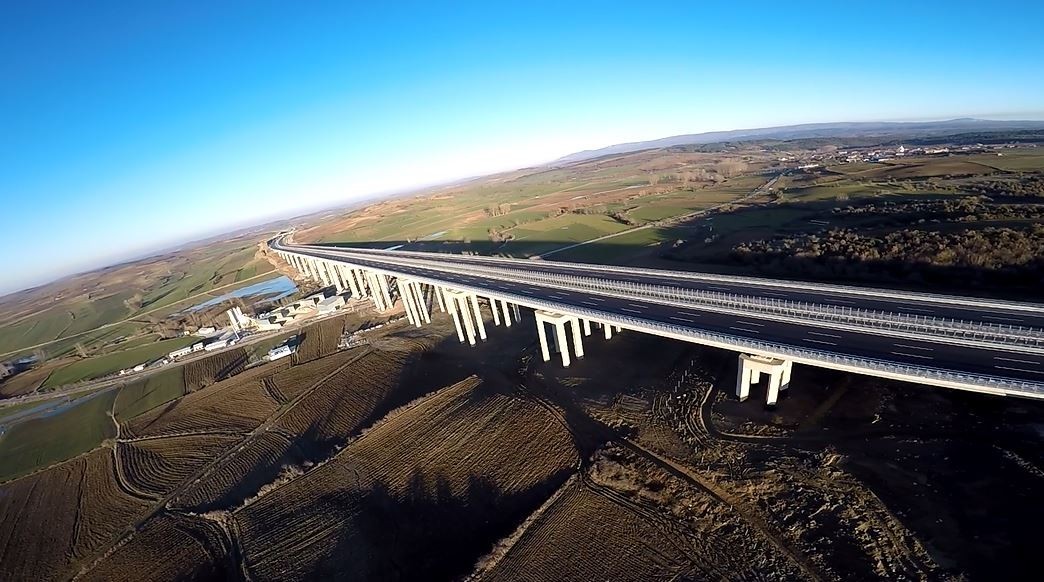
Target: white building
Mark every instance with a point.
(182, 352)
(279, 352)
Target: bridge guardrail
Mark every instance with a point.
(964, 328)
(907, 372)
(954, 329)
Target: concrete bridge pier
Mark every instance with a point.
(324, 276)
(559, 321)
(360, 280)
(464, 309)
(377, 293)
(750, 369)
(349, 278)
(494, 310)
(507, 312)
(405, 295)
(421, 302)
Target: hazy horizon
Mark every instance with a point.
(130, 130)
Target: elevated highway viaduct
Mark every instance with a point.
(988, 346)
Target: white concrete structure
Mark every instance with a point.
(773, 323)
(559, 321)
(750, 369)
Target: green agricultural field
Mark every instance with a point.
(148, 393)
(40, 442)
(559, 231)
(103, 365)
(653, 213)
(13, 408)
(833, 191)
(1014, 160)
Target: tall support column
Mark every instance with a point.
(353, 285)
(543, 339)
(578, 342)
(493, 309)
(407, 304)
(456, 317)
(563, 345)
(478, 317)
(461, 305)
(518, 314)
(507, 312)
(331, 271)
(363, 282)
(773, 389)
(375, 292)
(784, 381)
(421, 303)
(560, 322)
(382, 281)
(439, 298)
(324, 275)
(608, 329)
(587, 327)
(742, 379)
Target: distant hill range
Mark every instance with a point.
(810, 131)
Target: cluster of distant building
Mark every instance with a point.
(855, 156)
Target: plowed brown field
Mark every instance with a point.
(408, 498)
(53, 518)
(232, 406)
(222, 365)
(241, 475)
(170, 547)
(158, 465)
(339, 406)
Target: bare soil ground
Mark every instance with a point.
(50, 519)
(415, 457)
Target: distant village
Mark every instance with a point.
(869, 155)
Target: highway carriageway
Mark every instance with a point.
(988, 312)
(927, 353)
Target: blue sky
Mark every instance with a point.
(130, 126)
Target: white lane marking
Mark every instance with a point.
(913, 347)
(745, 329)
(555, 296)
(821, 334)
(995, 318)
(589, 303)
(916, 309)
(690, 313)
(637, 305)
(1020, 370)
(683, 319)
(1019, 361)
(820, 342)
(597, 299)
(911, 355)
(631, 310)
(750, 323)
(718, 288)
(527, 292)
(773, 294)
